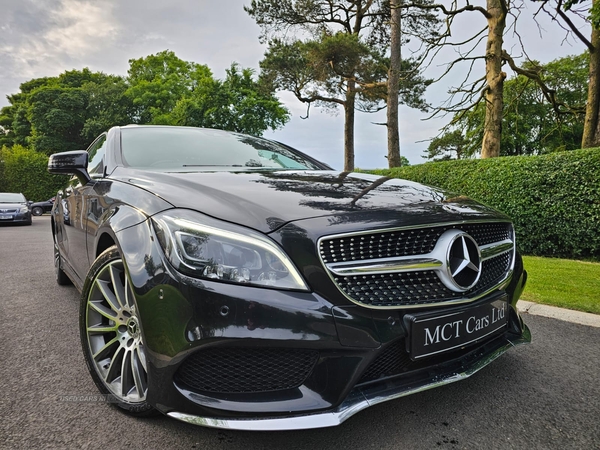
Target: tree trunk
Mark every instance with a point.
(591, 126)
(492, 130)
(349, 127)
(393, 133)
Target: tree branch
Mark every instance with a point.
(549, 94)
(449, 12)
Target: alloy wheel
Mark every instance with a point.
(114, 336)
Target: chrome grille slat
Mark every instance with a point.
(387, 273)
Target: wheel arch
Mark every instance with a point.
(105, 241)
(112, 222)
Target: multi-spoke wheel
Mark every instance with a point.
(111, 336)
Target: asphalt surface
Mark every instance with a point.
(542, 396)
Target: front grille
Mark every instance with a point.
(404, 242)
(417, 288)
(406, 288)
(246, 370)
(392, 361)
(8, 211)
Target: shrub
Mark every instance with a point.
(553, 199)
(24, 170)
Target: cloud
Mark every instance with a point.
(45, 38)
(80, 26)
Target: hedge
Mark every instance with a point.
(554, 200)
(25, 171)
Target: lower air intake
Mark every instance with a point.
(246, 370)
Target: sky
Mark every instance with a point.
(46, 37)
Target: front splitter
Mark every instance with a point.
(358, 400)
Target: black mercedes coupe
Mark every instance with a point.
(232, 281)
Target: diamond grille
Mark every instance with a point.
(405, 242)
(246, 370)
(418, 287)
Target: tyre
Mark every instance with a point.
(61, 277)
(37, 211)
(111, 336)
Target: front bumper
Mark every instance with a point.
(15, 218)
(183, 317)
(360, 398)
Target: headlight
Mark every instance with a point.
(24, 210)
(203, 247)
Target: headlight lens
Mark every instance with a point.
(207, 248)
(24, 210)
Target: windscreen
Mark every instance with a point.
(192, 149)
(11, 198)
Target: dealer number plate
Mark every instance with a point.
(434, 334)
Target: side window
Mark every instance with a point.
(96, 157)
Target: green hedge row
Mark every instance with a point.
(553, 199)
(23, 170)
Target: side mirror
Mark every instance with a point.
(70, 163)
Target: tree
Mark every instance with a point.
(561, 10)
(238, 103)
(64, 112)
(157, 82)
(57, 115)
(488, 88)
(314, 72)
(450, 144)
(13, 118)
(531, 124)
(393, 133)
(107, 106)
(68, 111)
(340, 63)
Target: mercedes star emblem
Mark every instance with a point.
(462, 265)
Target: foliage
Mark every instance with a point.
(530, 125)
(158, 82)
(238, 103)
(564, 12)
(64, 112)
(452, 143)
(337, 56)
(107, 106)
(563, 283)
(553, 199)
(317, 70)
(55, 114)
(23, 170)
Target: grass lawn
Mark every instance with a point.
(563, 282)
